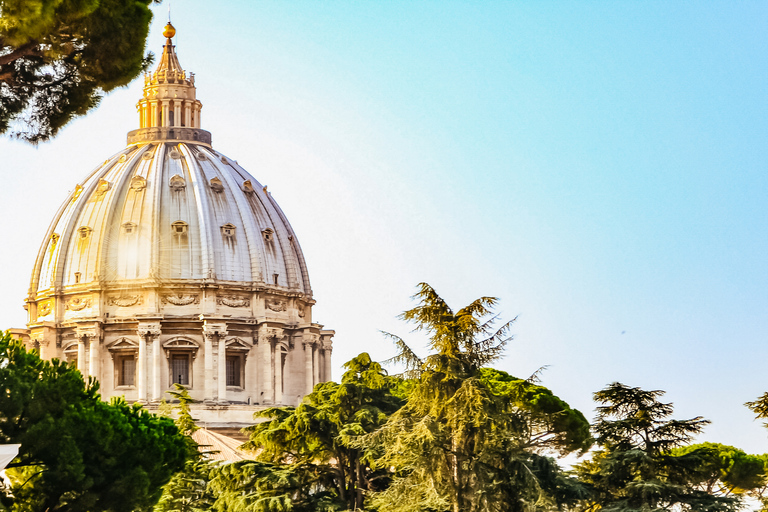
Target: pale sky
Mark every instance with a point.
(598, 166)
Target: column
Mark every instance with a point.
(208, 395)
(222, 394)
(157, 365)
(213, 332)
(278, 373)
(142, 370)
(316, 364)
(94, 357)
(165, 113)
(308, 343)
(81, 355)
(266, 395)
(327, 349)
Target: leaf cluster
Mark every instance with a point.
(59, 57)
(78, 453)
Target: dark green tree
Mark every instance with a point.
(188, 490)
(640, 466)
(725, 470)
(59, 57)
(472, 439)
(78, 453)
(316, 438)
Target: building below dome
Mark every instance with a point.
(170, 264)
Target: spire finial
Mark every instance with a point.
(169, 31)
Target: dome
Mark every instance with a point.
(169, 263)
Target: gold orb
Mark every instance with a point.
(169, 31)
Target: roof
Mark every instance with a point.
(215, 446)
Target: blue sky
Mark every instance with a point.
(598, 166)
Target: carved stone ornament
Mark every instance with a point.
(77, 192)
(276, 304)
(44, 308)
(138, 183)
(301, 312)
(233, 301)
(124, 301)
(147, 155)
(216, 185)
(177, 183)
(178, 299)
(78, 303)
(102, 187)
(175, 154)
(202, 156)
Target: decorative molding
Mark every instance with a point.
(123, 344)
(44, 308)
(148, 329)
(214, 329)
(237, 344)
(123, 159)
(147, 155)
(302, 312)
(233, 301)
(78, 303)
(276, 304)
(124, 301)
(177, 299)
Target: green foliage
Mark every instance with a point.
(315, 440)
(189, 490)
(470, 439)
(78, 453)
(58, 58)
(642, 464)
(250, 486)
(724, 469)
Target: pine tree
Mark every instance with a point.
(638, 467)
(465, 440)
(59, 57)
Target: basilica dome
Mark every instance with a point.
(169, 263)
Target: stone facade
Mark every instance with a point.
(171, 264)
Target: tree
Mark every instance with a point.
(641, 466)
(725, 470)
(316, 438)
(78, 453)
(59, 57)
(188, 490)
(472, 439)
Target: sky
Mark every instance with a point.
(600, 167)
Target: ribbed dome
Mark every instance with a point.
(170, 264)
(167, 212)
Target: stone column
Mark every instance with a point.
(327, 349)
(141, 385)
(316, 364)
(157, 366)
(147, 332)
(265, 364)
(211, 332)
(94, 357)
(81, 356)
(222, 394)
(278, 373)
(309, 342)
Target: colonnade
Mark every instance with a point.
(265, 384)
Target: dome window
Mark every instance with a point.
(248, 187)
(216, 185)
(177, 183)
(102, 187)
(179, 227)
(228, 230)
(138, 183)
(84, 232)
(267, 234)
(129, 228)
